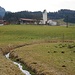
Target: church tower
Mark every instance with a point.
(44, 17)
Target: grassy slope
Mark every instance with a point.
(47, 58)
(19, 34)
(7, 67)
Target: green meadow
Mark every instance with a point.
(23, 33)
(33, 48)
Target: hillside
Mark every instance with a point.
(2, 12)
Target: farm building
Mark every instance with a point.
(34, 21)
(3, 22)
(27, 21)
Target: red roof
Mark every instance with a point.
(27, 19)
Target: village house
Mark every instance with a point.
(3, 22)
(27, 21)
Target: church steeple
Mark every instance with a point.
(44, 17)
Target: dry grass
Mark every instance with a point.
(47, 58)
(7, 67)
(42, 57)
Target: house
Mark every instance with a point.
(3, 22)
(51, 22)
(27, 21)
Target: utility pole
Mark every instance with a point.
(67, 22)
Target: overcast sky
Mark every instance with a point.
(37, 5)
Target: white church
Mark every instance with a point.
(45, 19)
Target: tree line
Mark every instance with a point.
(65, 14)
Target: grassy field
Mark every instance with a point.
(48, 58)
(38, 53)
(23, 33)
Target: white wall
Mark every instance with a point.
(50, 22)
(44, 17)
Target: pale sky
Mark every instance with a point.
(37, 5)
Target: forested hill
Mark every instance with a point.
(67, 15)
(2, 12)
(61, 14)
(9, 16)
